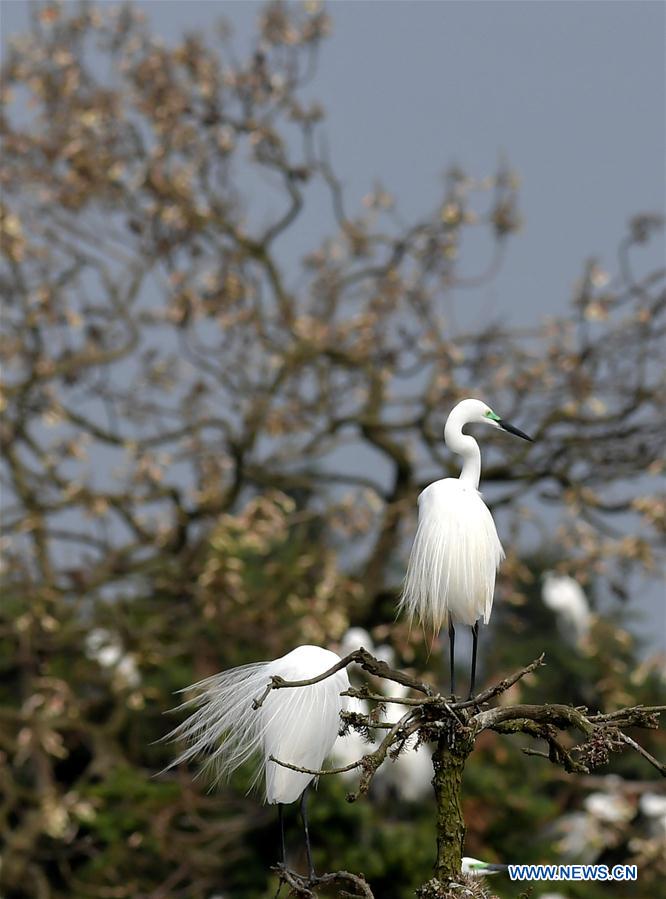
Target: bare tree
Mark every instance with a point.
(187, 408)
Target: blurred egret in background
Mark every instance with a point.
(352, 746)
(296, 725)
(409, 775)
(565, 596)
(355, 638)
(653, 807)
(456, 552)
(106, 648)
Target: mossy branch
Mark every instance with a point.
(454, 727)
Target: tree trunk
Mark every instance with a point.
(448, 761)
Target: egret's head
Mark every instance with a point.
(473, 411)
(473, 867)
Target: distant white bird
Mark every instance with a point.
(456, 552)
(609, 808)
(385, 653)
(106, 648)
(653, 806)
(355, 638)
(296, 725)
(475, 868)
(565, 596)
(579, 836)
(410, 774)
(352, 746)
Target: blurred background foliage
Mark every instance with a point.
(211, 453)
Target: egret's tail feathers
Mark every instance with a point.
(224, 729)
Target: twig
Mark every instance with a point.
(300, 885)
(317, 773)
(502, 686)
(646, 755)
(363, 658)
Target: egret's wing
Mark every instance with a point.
(302, 723)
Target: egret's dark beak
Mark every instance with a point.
(511, 430)
(497, 869)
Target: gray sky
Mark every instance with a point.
(572, 93)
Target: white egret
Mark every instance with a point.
(456, 552)
(473, 867)
(296, 725)
(565, 596)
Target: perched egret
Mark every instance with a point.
(565, 596)
(456, 552)
(475, 868)
(296, 725)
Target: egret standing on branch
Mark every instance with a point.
(451, 571)
(296, 725)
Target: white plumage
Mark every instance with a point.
(297, 725)
(454, 558)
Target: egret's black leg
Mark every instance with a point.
(452, 659)
(304, 817)
(475, 642)
(281, 820)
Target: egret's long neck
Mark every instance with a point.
(467, 447)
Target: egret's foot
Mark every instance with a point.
(472, 698)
